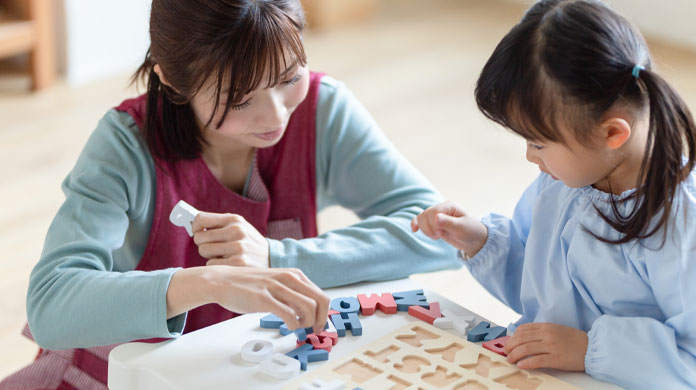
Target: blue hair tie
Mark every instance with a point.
(636, 70)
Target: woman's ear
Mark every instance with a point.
(616, 132)
(163, 79)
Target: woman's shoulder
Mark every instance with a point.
(117, 131)
(115, 143)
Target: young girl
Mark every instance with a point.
(599, 255)
(236, 125)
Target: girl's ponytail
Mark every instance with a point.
(671, 136)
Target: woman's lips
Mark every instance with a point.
(271, 135)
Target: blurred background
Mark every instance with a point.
(412, 63)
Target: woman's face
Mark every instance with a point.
(260, 119)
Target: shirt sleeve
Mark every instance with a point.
(654, 353)
(498, 265)
(359, 169)
(76, 297)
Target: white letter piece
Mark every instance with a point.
(183, 215)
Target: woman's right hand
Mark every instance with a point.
(448, 221)
(285, 292)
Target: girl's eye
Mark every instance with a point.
(240, 106)
(293, 80)
(537, 147)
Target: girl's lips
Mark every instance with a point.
(271, 135)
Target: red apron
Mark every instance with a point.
(280, 203)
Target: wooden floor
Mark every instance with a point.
(413, 66)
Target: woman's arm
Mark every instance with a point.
(358, 168)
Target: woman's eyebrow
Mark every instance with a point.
(288, 69)
(292, 66)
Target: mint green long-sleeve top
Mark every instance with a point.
(85, 292)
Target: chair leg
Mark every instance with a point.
(43, 57)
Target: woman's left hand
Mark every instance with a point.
(540, 345)
(228, 239)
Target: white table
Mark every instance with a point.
(210, 358)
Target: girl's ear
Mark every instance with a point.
(616, 132)
(163, 80)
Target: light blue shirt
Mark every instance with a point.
(84, 291)
(637, 301)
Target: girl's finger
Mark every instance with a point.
(521, 337)
(414, 224)
(524, 350)
(545, 360)
(425, 225)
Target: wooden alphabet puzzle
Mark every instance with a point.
(422, 357)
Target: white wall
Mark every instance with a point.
(669, 20)
(107, 37)
(103, 37)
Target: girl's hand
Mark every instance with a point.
(228, 239)
(287, 293)
(546, 345)
(449, 222)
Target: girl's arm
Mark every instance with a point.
(358, 168)
(498, 265)
(644, 352)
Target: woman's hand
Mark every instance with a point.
(287, 293)
(228, 239)
(546, 345)
(449, 222)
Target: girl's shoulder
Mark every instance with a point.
(685, 201)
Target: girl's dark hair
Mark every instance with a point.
(235, 43)
(570, 61)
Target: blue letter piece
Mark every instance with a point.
(306, 353)
(484, 332)
(271, 321)
(347, 321)
(345, 305)
(405, 299)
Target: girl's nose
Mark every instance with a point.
(531, 157)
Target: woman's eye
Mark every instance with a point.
(240, 106)
(293, 80)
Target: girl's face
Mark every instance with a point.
(575, 164)
(260, 119)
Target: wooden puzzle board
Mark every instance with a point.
(419, 356)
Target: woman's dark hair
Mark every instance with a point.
(573, 60)
(235, 43)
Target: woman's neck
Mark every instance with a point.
(228, 161)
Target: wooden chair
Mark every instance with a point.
(26, 26)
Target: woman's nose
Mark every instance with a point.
(275, 113)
